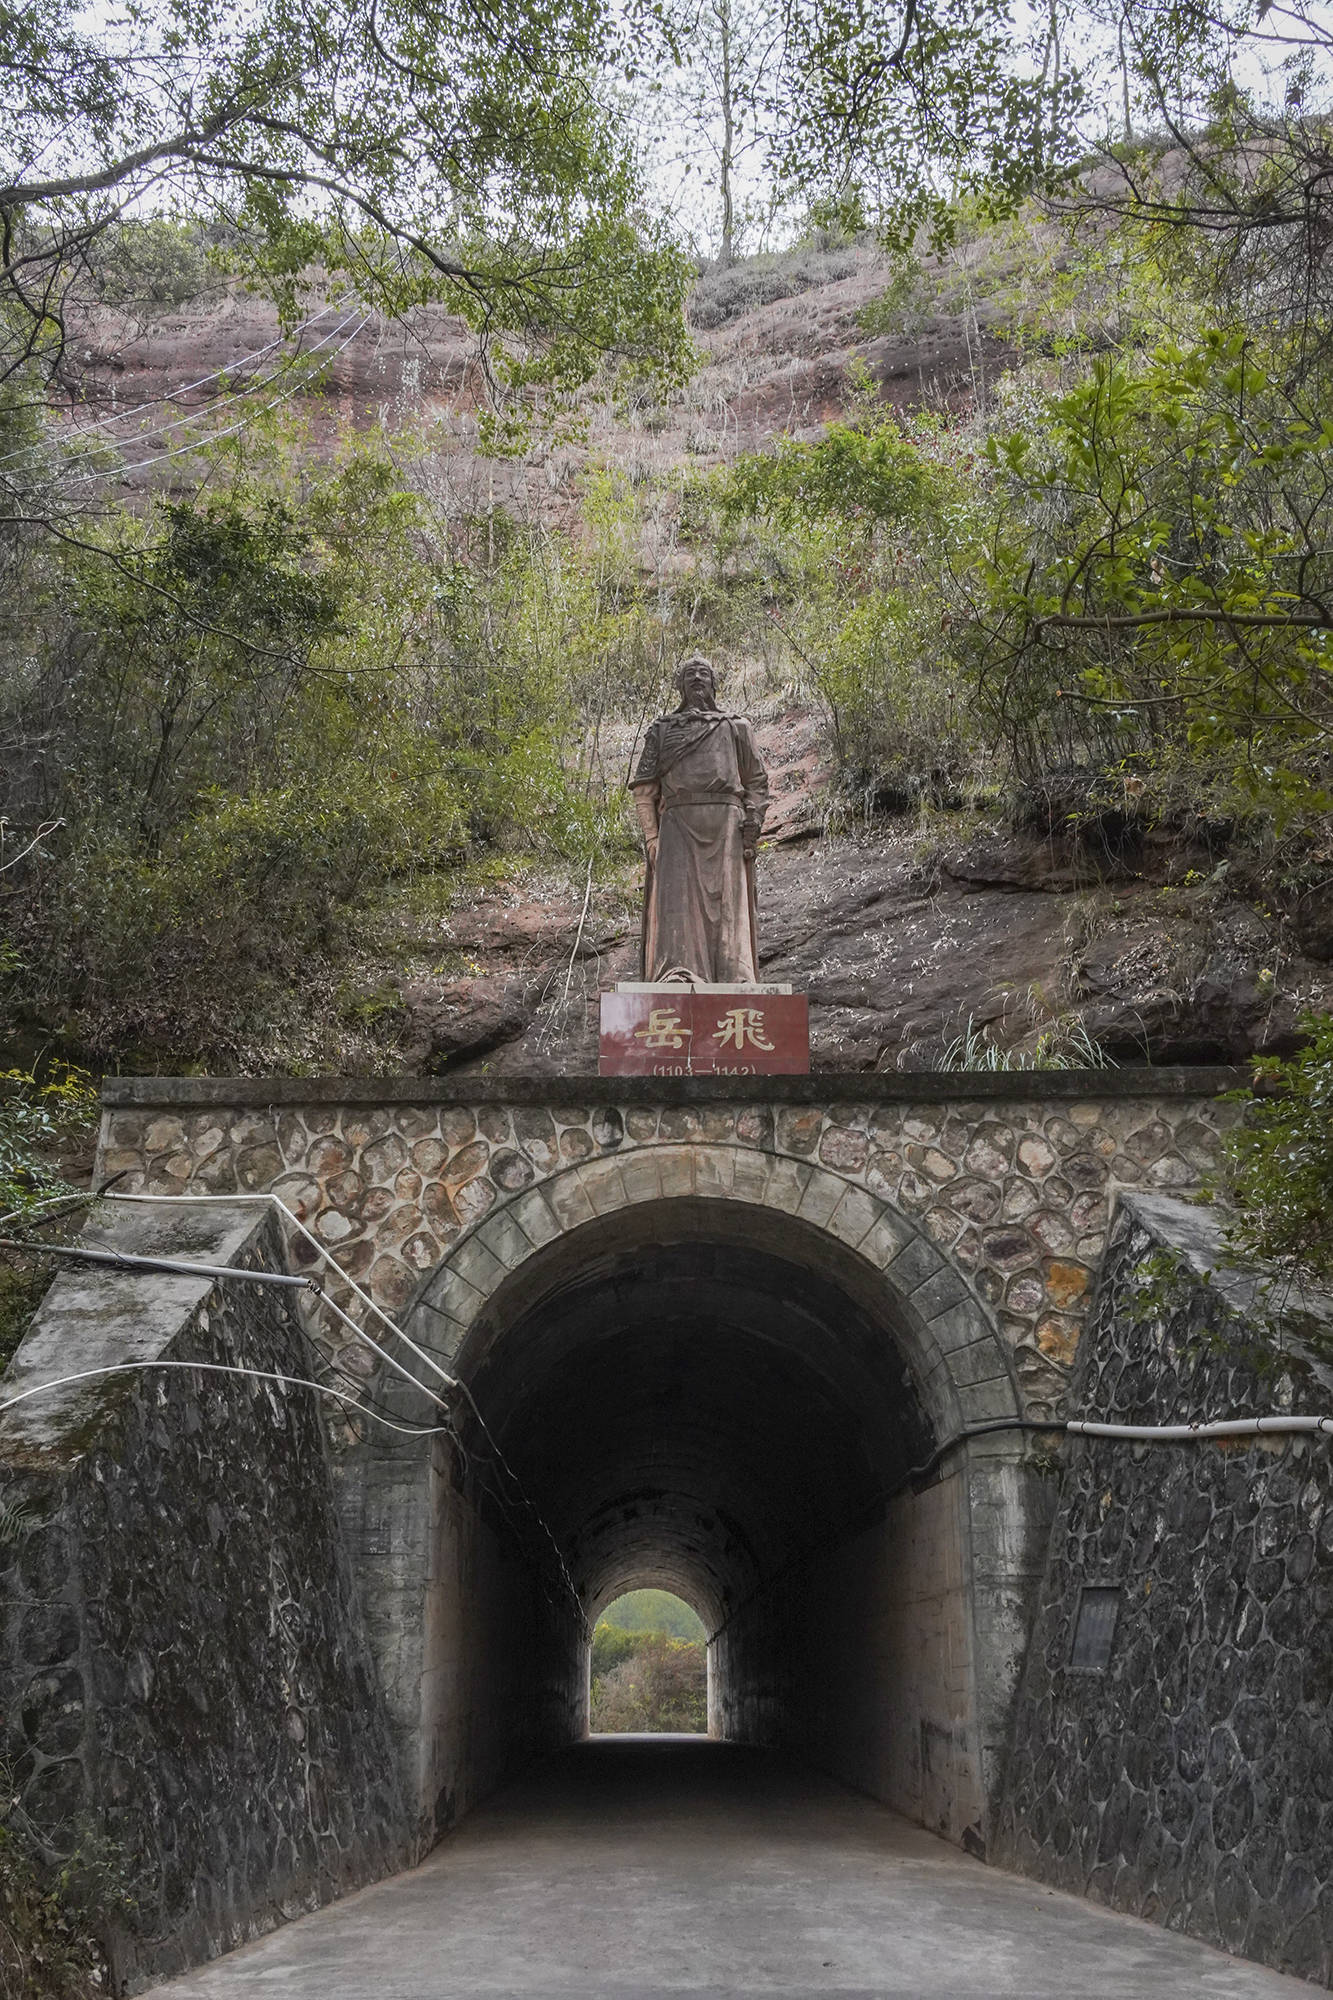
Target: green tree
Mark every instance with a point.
(653, 1611)
(717, 102)
(661, 1685)
(462, 153)
(888, 115)
(1159, 564)
(1279, 1169)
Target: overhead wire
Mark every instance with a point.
(248, 389)
(1229, 1427)
(130, 1260)
(448, 1381)
(1223, 1428)
(127, 1260)
(229, 430)
(188, 388)
(221, 1368)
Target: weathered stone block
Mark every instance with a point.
(505, 1239)
(713, 1170)
(640, 1176)
(854, 1216)
(675, 1165)
(820, 1196)
(843, 1148)
(535, 1217)
(603, 1186)
(787, 1182)
(917, 1261)
(886, 1238)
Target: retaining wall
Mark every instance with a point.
(1189, 1779)
(190, 1706)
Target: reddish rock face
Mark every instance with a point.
(782, 365)
(900, 940)
(894, 964)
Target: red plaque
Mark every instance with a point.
(667, 1031)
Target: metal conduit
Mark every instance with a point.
(128, 1260)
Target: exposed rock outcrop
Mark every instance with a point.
(901, 951)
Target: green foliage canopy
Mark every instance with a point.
(893, 113)
(1280, 1162)
(457, 152)
(241, 717)
(1161, 559)
(653, 1611)
(656, 1683)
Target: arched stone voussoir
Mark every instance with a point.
(952, 1346)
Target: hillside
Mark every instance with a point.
(928, 914)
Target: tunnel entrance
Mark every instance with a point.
(712, 1399)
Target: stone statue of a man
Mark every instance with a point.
(701, 793)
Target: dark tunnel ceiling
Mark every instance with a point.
(697, 1406)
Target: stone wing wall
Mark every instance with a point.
(190, 1707)
(1190, 1780)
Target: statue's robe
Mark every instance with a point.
(705, 774)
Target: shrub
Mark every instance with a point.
(720, 296)
(661, 1684)
(47, 1948)
(1279, 1162)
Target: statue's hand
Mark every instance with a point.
(651, 846)
(747, 853)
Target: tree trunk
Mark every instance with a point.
(722, 9)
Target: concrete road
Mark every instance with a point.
(653, 1866)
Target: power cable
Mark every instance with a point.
(1229, 1427)
(133, 1261)
(187, 388)
(222, 1368)
(448, 1381)
(123, 472)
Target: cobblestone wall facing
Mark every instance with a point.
(1191, 1780)
(1015, 1192)
(188, 1699)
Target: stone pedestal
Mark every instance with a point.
(680, 1030)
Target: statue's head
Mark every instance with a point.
(697, 682)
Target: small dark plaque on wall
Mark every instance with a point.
(1094, 1634)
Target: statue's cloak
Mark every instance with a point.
(704, 771)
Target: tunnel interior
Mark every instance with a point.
(694, 1412)
(714, 1400)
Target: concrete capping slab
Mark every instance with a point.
(93, 1317)
(1088, 1086)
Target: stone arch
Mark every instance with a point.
(961, 1365)
(728, 1371)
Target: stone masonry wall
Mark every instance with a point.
(186, 1689)
(1012, 1176)
(1191, 1780)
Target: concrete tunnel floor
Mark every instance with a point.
(643, 1866)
